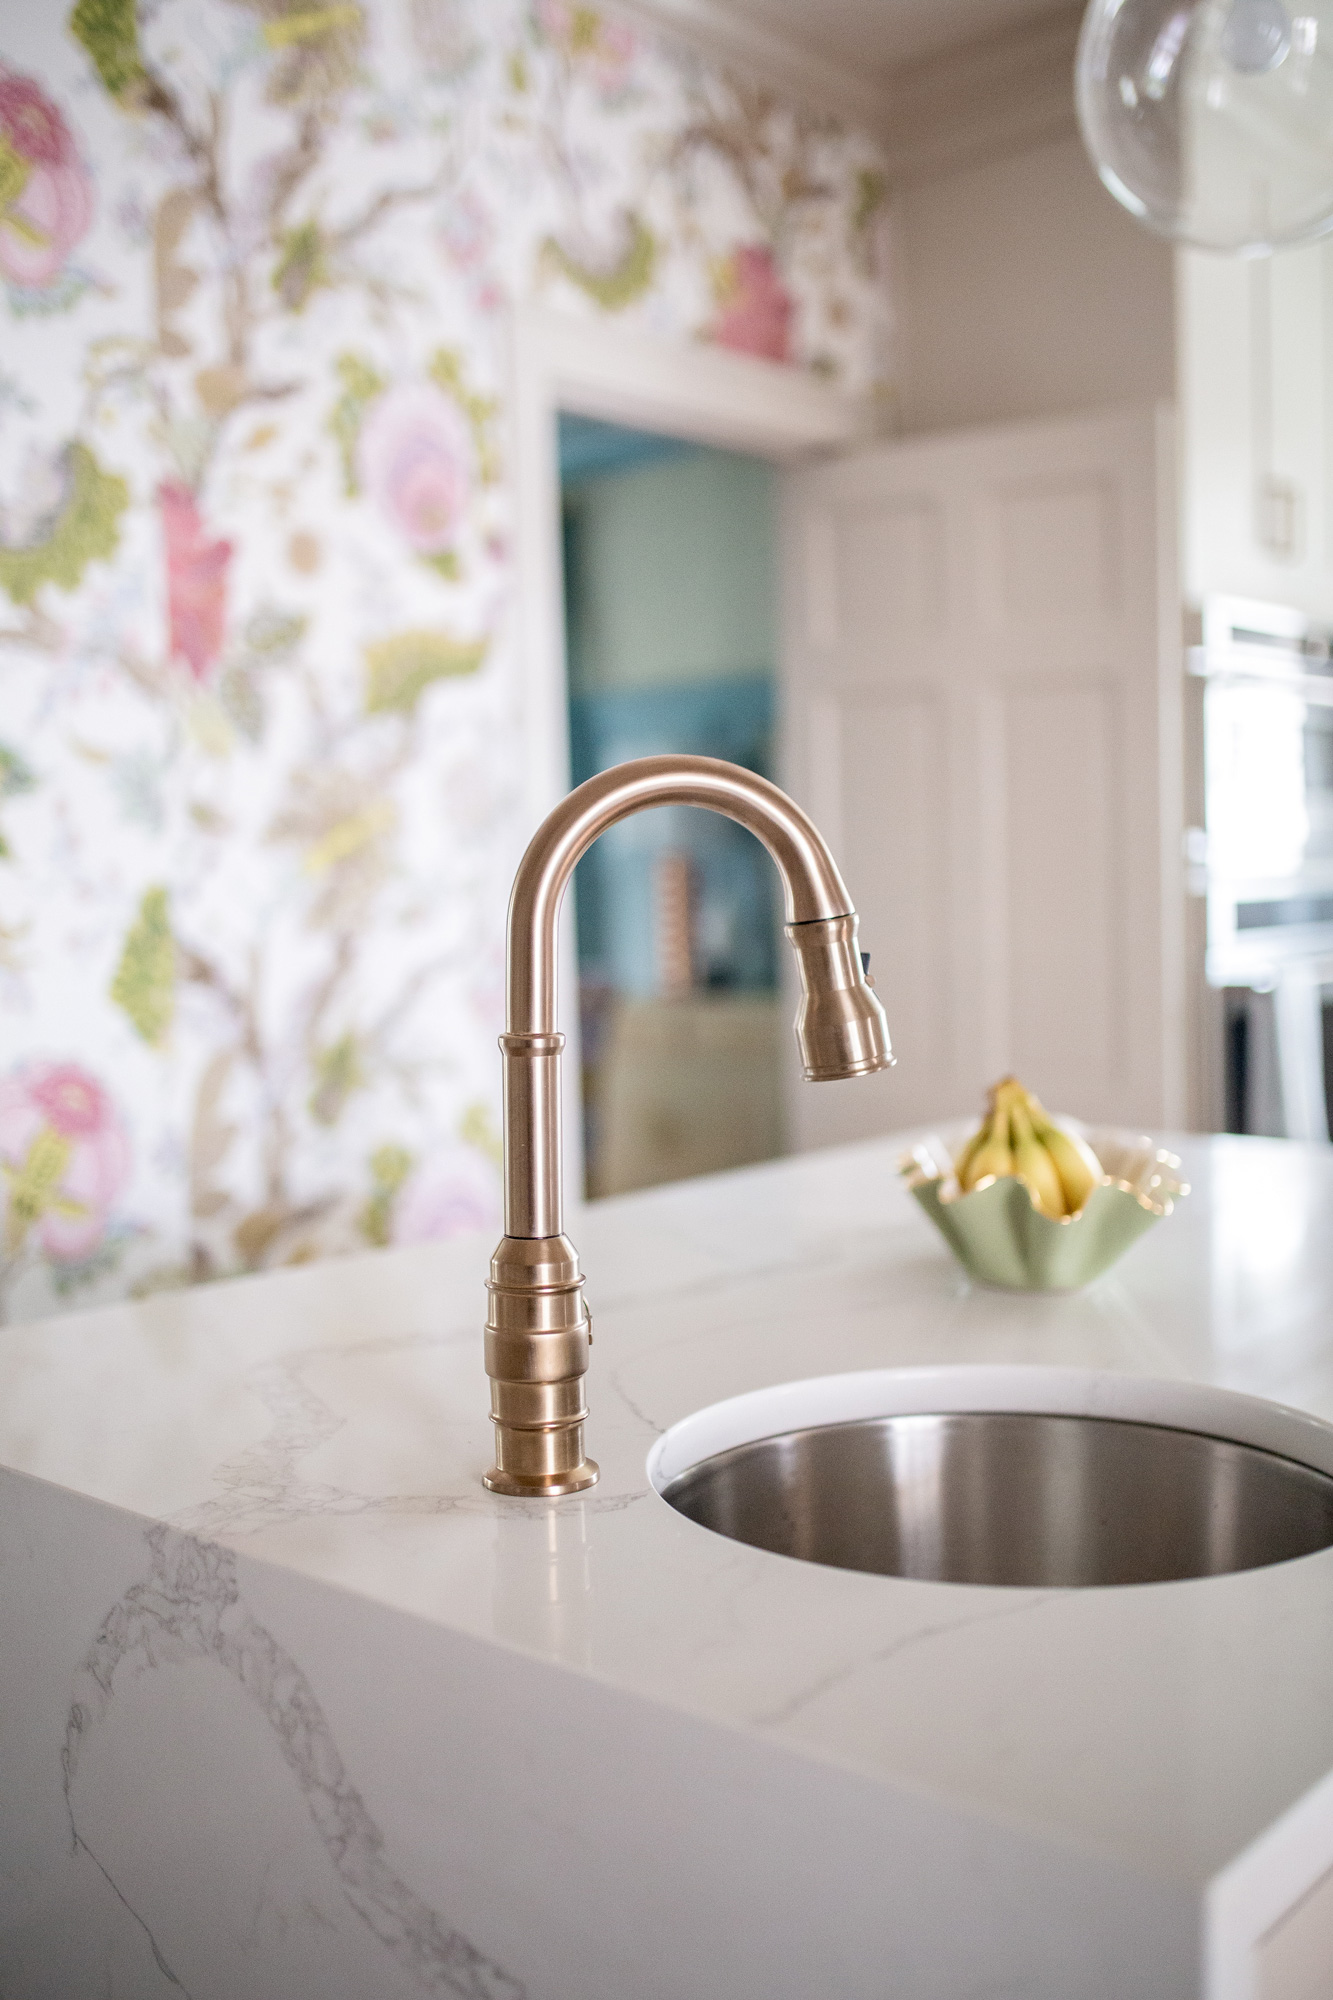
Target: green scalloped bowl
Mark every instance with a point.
(1001, 1238)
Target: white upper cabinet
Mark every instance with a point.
(983, 715)
(1255, 364)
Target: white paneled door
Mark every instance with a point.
(983, 703)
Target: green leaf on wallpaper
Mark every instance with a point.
(109, 31)
(339, 1071)
(400, 669)
(15, 774)
(361, 385)
(445, 563)
(611, 286)
(307, 24)
(389, 1168)
(145, 981)
(446, 371)
(15, 173)
(585, 30)
(302, 266)
(33, 1186)
(478, 1129)
(86, 526)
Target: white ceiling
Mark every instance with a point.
(876, 35)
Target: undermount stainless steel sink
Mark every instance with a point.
(1037, 1498)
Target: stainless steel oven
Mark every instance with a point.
(1266, 852)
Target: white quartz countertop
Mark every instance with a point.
(332, 1421)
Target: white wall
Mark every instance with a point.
(1256, 373)
(1024, 291)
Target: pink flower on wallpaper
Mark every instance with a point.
(46, 199)
(455, 1190)
(414, 459)
(33, 125)
(64, 1158)
(754, 306)
(196, 581)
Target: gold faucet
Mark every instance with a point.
(537, 1330)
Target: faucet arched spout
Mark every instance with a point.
(813, 889)
(537, 1331)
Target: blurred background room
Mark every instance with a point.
(411, 407)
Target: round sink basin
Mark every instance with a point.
(1048, 1479)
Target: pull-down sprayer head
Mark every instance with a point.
(840, 1026)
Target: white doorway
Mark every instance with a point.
(983, 682)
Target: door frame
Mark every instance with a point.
(684, 389)
(680, 387)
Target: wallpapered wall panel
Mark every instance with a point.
(260, 721)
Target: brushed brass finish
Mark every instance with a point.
(839, 1024)
(538, 1331)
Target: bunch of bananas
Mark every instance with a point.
(1017, 1137)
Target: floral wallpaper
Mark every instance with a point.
(260, 719)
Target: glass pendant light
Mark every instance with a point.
(1212, 120)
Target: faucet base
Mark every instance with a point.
(537, 1338)
(542, 1485)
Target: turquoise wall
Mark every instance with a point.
(671, 589)
(671, 572)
